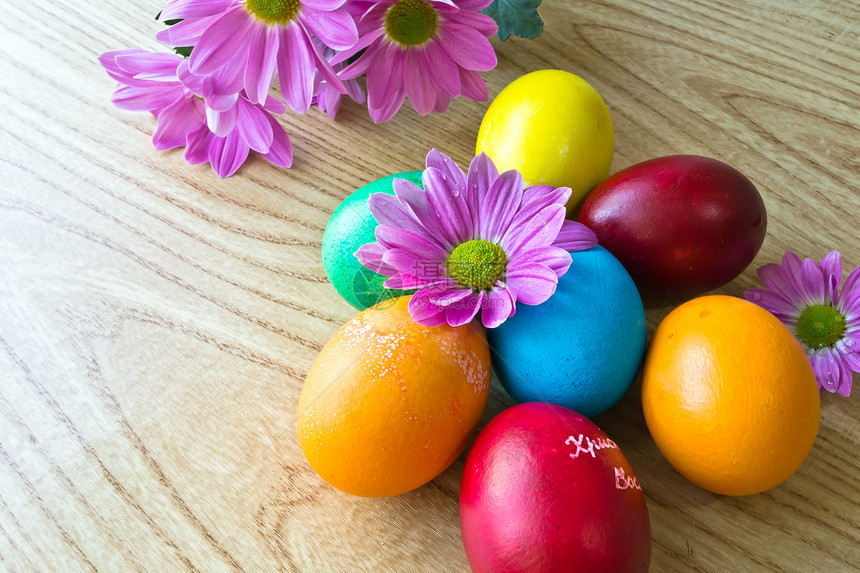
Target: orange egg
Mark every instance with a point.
(388, 404)
(729, 395)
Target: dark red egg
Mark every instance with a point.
(681, 225)
(545, 490)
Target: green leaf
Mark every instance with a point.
(517, 17)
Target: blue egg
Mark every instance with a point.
(580, 349)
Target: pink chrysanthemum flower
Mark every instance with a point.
(807, 298)
(161, 84)
(242, 43)
(429, 50)
(481, 241)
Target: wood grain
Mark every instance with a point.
(156, 322)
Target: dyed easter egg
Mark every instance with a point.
(388, 404)
(681, 225)
(729, 395)
(544, 489)
(582, 347)
(554, 128)
(351, 226)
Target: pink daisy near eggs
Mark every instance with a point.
(807, 298)
(241, 44)
(161, 84)
(428, 50)
(469, 242)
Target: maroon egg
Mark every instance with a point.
(545, 490)
(681, 225)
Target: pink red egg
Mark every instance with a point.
(545, 490)
(681, 225)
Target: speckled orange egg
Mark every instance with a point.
(388, 404)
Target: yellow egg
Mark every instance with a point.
(552, 127)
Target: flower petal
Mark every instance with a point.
(176, 122)
(480, 22)
(254, 126)
(537, 198)
(186, 32)
(281, 151)
(480, 177)
(410, 194)
(473, 86)
(197, 145)
(425, 312)
(387, 111)
(388, 210)
(262, 63)
(467, 46)
(416, 243)
(498, 205)
(773, 277)
(370, 255)
(149, 66)
(441, 69)
(221, 122)
(324, 5)
(852, 359)
(448, 205)
(850, 306)
(497, 306)
(227, 154)
(274, 105)
(449, 293)
(296, 69)
(108, 62)
(413, 199)
(366, 42)
(531, 283)
(553, 257)
(831, 269)
(418, 82)
(405, 281)
(134, 98)
(792, 269)
(322, 66)
(575, 236)
(851, 285)
(812, 282)
(185, 9)
(335, 28)
(473, 5)
(464, 311)
(224, 43)
(845, 376)
(541, 231)
(447, 166)
(385, 75)
(774, 303)
(830, 370)
(405, 261)
(442, 102)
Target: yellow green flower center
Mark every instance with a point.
(477, 264)
(273, 11)
(411, 22)
(820, 326)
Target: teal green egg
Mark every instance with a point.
(351, 226)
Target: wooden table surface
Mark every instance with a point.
(156, 323)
